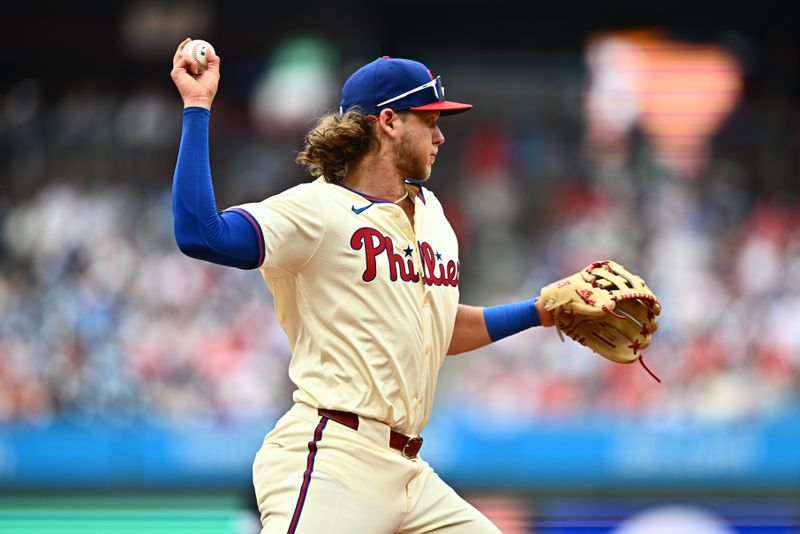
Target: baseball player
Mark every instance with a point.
(364, 269)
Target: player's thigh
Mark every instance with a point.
(321, 487)
(328, 507)
(440, 510)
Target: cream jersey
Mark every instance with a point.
(368, 301)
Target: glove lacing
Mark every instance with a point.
(640, 359)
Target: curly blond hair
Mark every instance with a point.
(335, 142)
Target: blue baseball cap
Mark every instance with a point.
(399, 84)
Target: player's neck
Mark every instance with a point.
(378, 179)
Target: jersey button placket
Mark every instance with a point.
(418, 264)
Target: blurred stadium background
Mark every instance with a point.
(136, 384)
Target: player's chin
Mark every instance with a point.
(426, 173)
(420, 172)
(421, 176)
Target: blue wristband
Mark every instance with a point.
(507, 319)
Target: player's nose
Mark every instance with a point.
(438, 137)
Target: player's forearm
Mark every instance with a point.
(469, 332)
(476, 327)
(200, 232)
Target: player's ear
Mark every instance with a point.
(388, 122)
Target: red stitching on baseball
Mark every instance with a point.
(200, 66)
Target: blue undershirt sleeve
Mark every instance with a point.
(507, 319)
(232, 238)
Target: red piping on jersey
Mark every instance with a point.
(377, 200)
(259, 232)
(420, 195)
(312, 454)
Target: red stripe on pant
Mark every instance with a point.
(312, 453)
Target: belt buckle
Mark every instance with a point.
(412, 447)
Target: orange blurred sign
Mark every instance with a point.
(678, 93)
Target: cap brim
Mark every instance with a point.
(446, 107)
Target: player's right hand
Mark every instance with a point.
(196, 88)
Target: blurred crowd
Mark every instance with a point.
(101, 316)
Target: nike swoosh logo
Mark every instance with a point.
(358, 211)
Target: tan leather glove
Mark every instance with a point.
(605, 308)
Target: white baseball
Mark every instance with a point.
(198, 50)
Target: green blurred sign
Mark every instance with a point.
(125, 515)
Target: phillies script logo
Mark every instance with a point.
(401, 266)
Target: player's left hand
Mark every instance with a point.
(196, 87)
(545, 315)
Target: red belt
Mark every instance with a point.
(408, 446)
